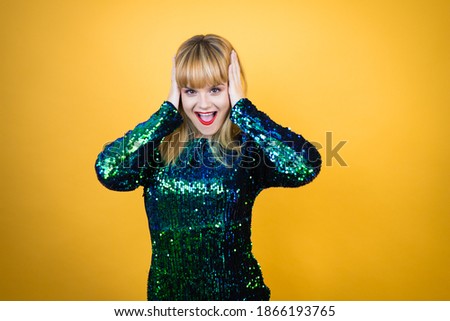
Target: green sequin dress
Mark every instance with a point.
(199, 209)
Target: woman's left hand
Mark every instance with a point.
(235, 88)
(174, 93)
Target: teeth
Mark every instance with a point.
(206, 116)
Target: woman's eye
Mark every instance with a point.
(215, 90)
(189, 92)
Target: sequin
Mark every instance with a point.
(199, 210)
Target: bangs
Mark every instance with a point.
(200, 67)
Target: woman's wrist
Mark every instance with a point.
(174, 100)
(237, 101)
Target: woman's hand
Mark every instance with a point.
(235, 88)
(174, 94)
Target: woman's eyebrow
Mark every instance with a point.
(210, 87)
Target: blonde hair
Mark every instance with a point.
(202, 60)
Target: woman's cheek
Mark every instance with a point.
(187, 101)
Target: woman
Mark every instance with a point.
(202, 159)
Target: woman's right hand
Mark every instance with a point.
(174, 94)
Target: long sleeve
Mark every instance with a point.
(287, 159)
(122, 163)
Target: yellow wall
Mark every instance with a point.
(77, 74)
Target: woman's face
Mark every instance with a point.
(206, 107)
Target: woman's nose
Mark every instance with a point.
(204, 101)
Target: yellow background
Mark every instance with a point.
(77, 74)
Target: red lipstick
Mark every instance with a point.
(206, 118)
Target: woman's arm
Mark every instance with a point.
(121, 164)
(287, 158)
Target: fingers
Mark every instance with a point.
(234, 78)
(174, 80)
(234, 69)
(235, 62)
(174, 93)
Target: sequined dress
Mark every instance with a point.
(199, 209)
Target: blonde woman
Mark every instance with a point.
(202, 159)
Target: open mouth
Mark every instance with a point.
(206, 118)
